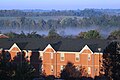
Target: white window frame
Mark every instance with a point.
(89, 70)
(41, 55)
(51, 55)
(77, 56)
(89, 57)
(52, 69)
(61, 67)
(62, 56)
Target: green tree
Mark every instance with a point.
(114, 35)
(92, 34)
(53, 34)
(12, 35)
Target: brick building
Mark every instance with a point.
(55, 53)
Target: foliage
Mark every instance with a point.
(111, 61)
(23, 35)
(114, 35)
(92, 34)
(6, 71)
(17, 69)
(12, 34)
(81, 35)
(70, 71)
(53, 34)
(87, 19)
(22, 68)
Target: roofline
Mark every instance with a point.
(49, 46)
(86, 47)
(67, 52)
(14, 45)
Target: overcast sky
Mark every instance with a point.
(59, 4)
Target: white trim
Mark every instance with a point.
(61, 67)
(98, 53)
(26, 53)
(68, 52)
(86, 47)
(62, 56)
(29, 51)
(41, 54)
(48, 46)
(13, 46)
(89, 70)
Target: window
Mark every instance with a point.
(62, 67)
(62, 57)
(52, 68)
(77, 57)
(77, 67)
(89, 57)
(41, 55)
(51, 55)
(89, 70)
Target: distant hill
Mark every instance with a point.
(39, 12)
(69, 21)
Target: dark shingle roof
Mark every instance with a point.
(60, 44)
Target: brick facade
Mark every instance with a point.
(54, 61)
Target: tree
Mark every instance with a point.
(33, 35)
(6, 71)
(92, 34)
(111, 60)
(12, 35)
(81, 34)
(23, 70)
(70, 71)
(114, 35)
(22, 35)
(53, 34)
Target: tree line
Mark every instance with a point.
(25, 23)
(15, 13)
(83, 13)
(91, 34)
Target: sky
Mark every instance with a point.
(59, 4)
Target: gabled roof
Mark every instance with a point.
(58, 44)
(8, 43)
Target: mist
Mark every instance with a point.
(69, 31)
